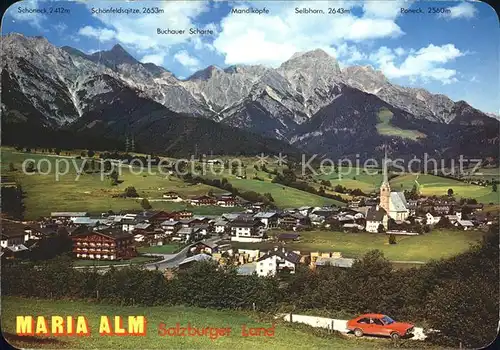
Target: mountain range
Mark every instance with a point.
(308, 103)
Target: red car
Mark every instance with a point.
(378, 324)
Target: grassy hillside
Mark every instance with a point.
(385, 128)
(435, 185)
(357, 178)
(45, 194)
(284, 196)
(286, 336)
(434, 245)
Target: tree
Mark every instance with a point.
(83, 153)
(91, 153)
(381, 228)
(114, 178)
(107, 165)
(30, 167)
(494, 187)
(392, 239)
(131, 192)
(145, 204)
(269, 197)
(450, 192)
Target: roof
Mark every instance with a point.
(68, 213)
(84, 220)
(374, 214)
(305, 208)
(465, 222)
(12, 228)
(290, 256)
(169, 223)
(206, 244)
(245, 223)
(295, 215)
(265, 215)
(142, 226)
(398, 202)
(17, 248)
(197, 257)
(111, 233)
(231, 216)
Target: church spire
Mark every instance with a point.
(384, 167)
(385, 188)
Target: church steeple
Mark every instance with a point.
(385, 188)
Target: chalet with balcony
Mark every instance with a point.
(104, 245)
(269, 219)
(203, 200)
(277, 261)
(247, 231)
(294, 221)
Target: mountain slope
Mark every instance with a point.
(307, 101)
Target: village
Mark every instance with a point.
(256, 239)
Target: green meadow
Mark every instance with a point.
(434, 245)
(44, 194)
(384, 127)
(435, 185)
(286, 336)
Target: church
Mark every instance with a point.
(394, 203)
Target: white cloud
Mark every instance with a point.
(60, 27)
(463, 10)
(272, 39)
(33, 19)
(385, 9)
(154, 58)
(400, 51)
(188, 61)
(101, 34)
(424, 64)
(140, 31)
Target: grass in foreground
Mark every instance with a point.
(423, 248)
(286, 336)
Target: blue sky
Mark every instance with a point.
(455, 53)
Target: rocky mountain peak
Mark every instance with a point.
(312, 60)
(205, 74)
(116, 56)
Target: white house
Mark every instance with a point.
(247, 231)
(465, 224)
(277, 260)
(220, 226)
(172, 197)
(431, 219)
(269, 219)
(376, 216)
